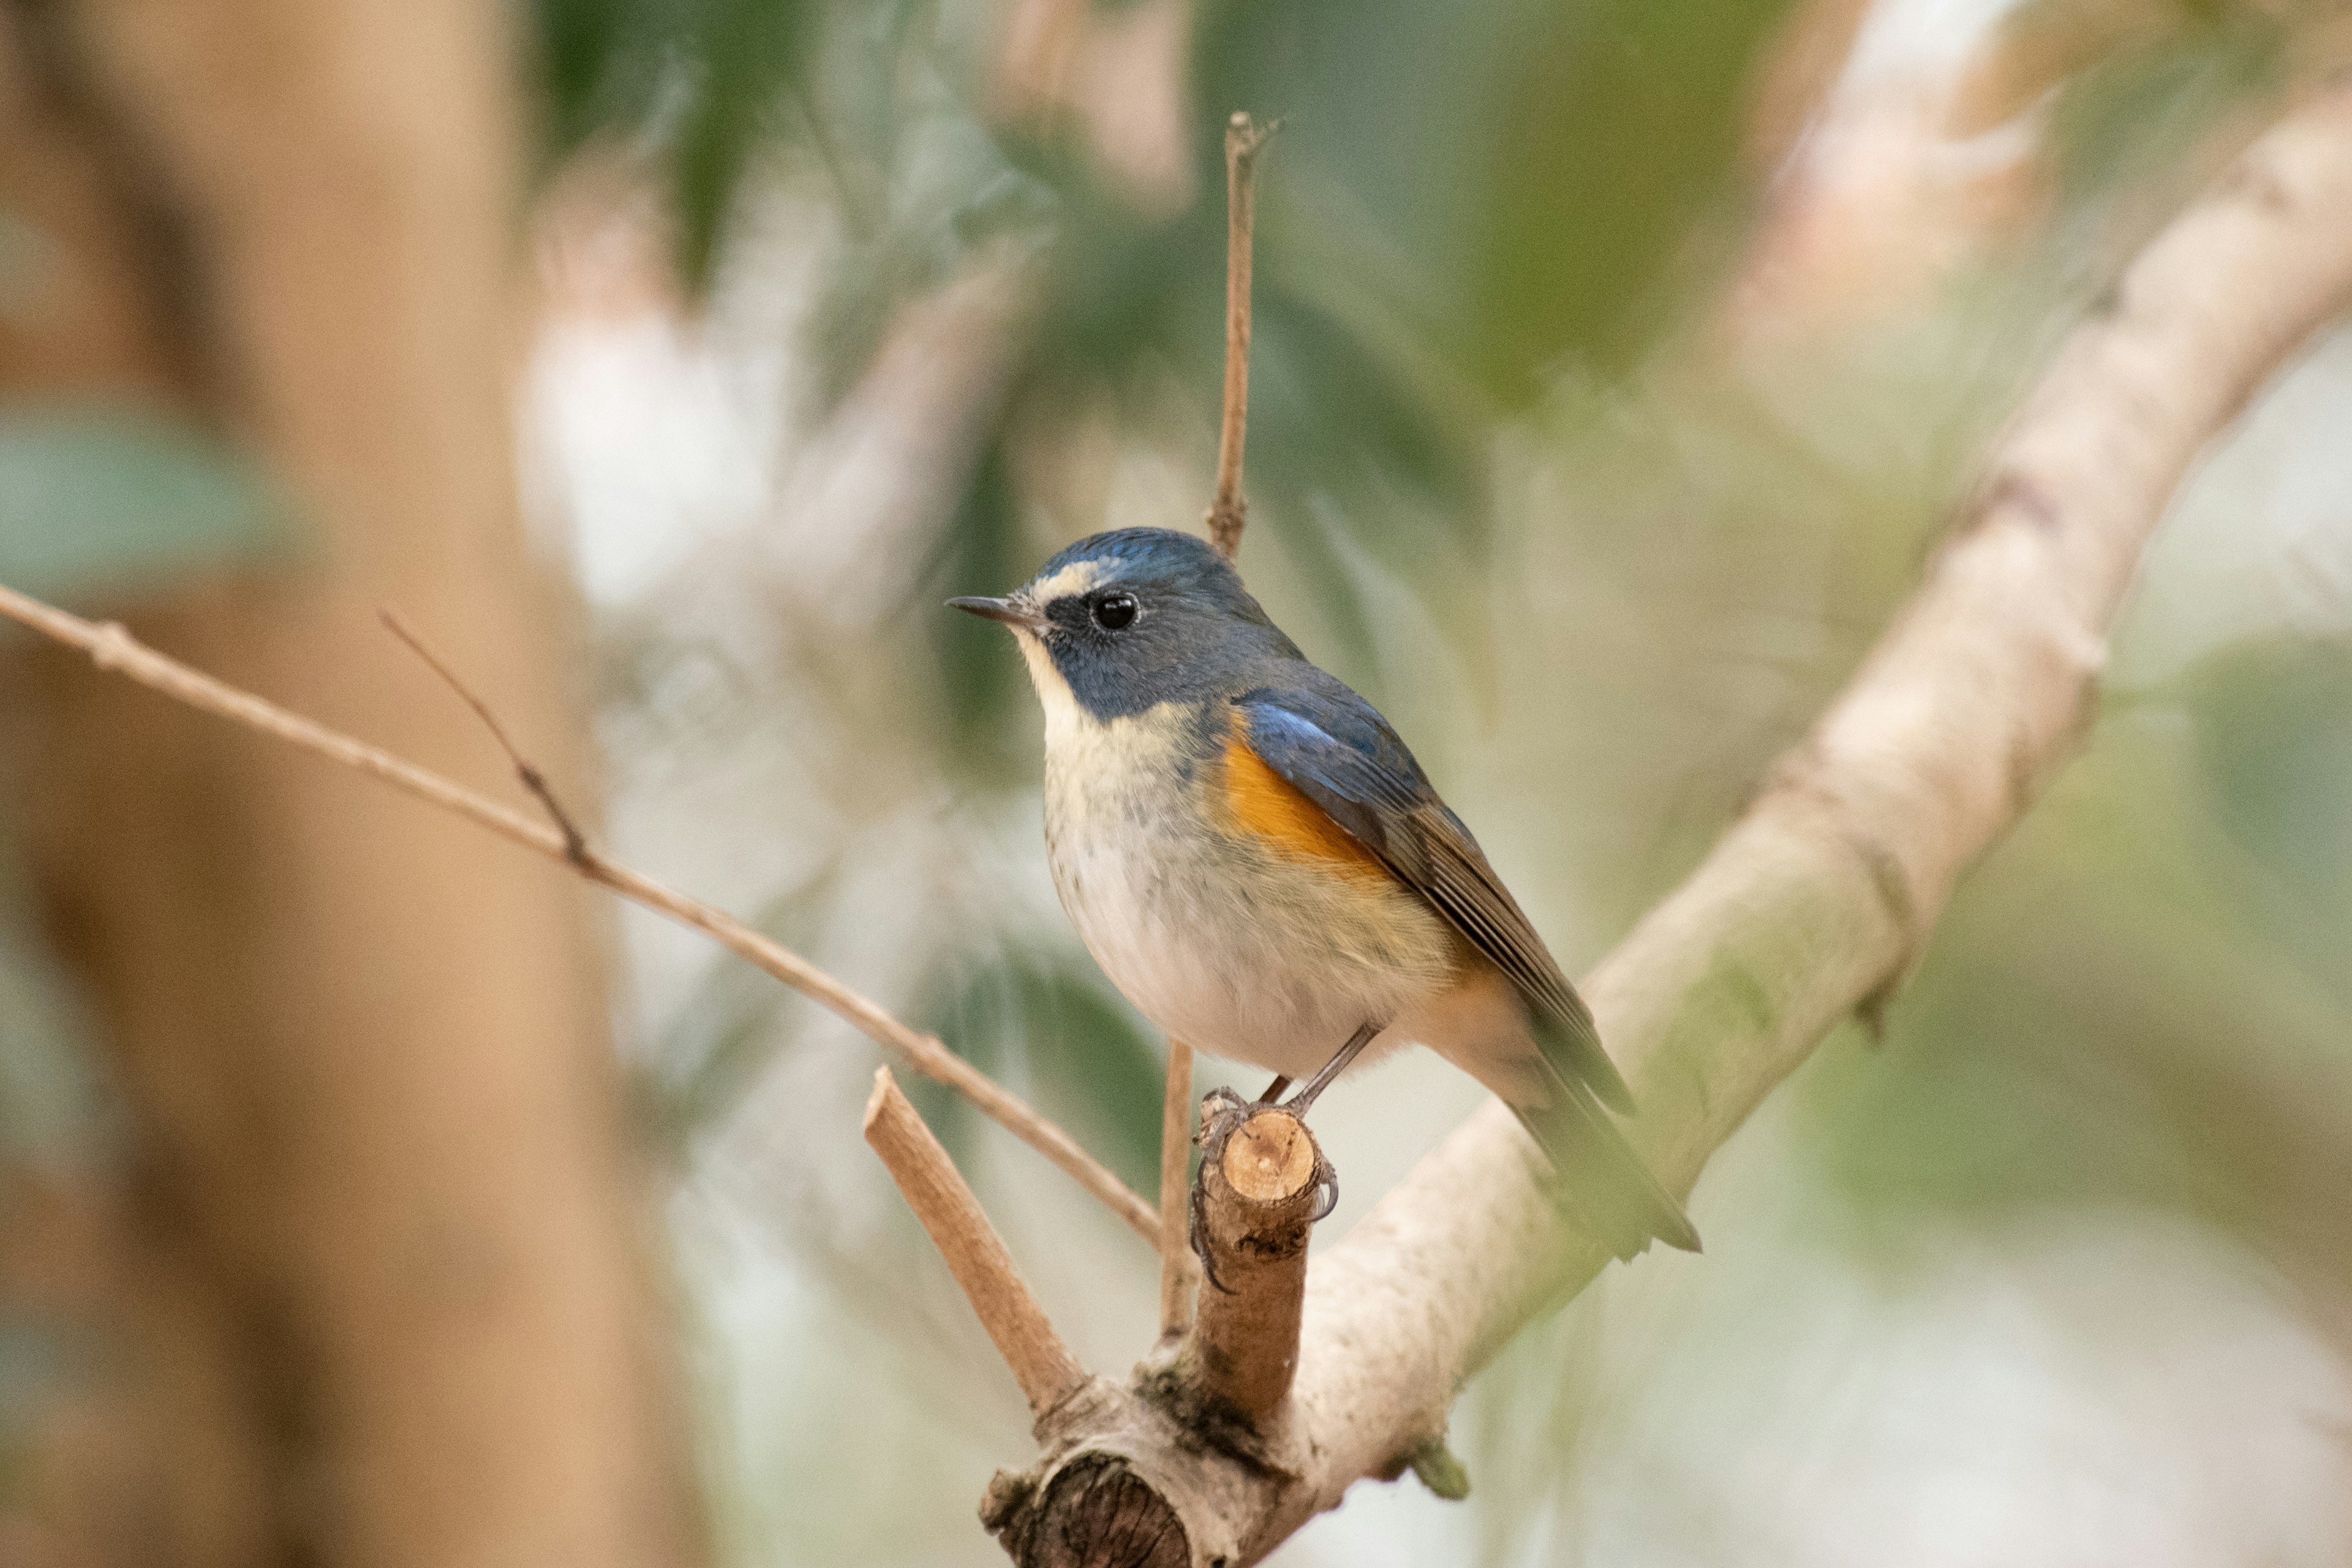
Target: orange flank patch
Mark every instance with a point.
(1277, 811)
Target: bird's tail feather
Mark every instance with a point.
(1600, 1180)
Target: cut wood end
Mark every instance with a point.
(1270, 1158)
(883, 1090)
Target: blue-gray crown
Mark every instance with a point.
(1195, 630)
(1183, 562)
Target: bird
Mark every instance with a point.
(1257, 862)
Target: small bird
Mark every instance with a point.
(1257, 861)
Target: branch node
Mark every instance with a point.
(576, 843)
(1439, 1469)
(114, 648)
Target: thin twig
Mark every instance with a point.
(1178, 1268)
(1228, 510)
(576, 843)
(111, 646)
(1048, 1374)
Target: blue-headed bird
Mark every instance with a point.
(1259, 864)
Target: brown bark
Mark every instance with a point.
(366, 1058)
(1258, 1193)
(1041, 1363)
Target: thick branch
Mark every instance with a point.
(1259, 1183)
(110, 647)
(1048, 1374)
(1817, 901)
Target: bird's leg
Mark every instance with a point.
(1327, 1180)
(1298, 1104)
(1222, 1111)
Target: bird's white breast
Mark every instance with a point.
(1215, 936)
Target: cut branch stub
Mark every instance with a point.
(1257, 1193)
(1041, 1363)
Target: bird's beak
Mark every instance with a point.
(1013, 612)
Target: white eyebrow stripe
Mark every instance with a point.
(1075, 578)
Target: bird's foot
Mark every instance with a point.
(1223, 1113)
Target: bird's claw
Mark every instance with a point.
(1326, 1190)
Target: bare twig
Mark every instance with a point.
(1259, 1180)
(974, 1253)
(576, 843)
(1228, 510)
(111, 646)
(1815, 903)
(1178, 1268)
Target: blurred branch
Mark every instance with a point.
(111, 646)
(975, 1254)
(1814, 906)
(1243, 140)
(1179, 1270)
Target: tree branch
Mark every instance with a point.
(576, 842)
(111, 646)
(1259, 1180)
(1179, 1270)
(1228, 511)
(1048, 1374)
(1815, 904)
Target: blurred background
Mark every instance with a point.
(369, 1193)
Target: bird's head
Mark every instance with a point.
(1124, 621)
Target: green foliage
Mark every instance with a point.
(105, 501)
(2094, 1024)
(1619, 130)
(2274, 725)
(981, 679)
(1462, 198)
(2136, 115)
(1054, 1027)
(712, 81)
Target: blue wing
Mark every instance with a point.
(1341, 755)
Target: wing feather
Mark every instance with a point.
(1340, 753)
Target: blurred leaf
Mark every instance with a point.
(2273, 721)
(2093, 1027)
(733, 1026)
(982, 678)
(1620, 129)
(2135, 116)
(752, 57)
(715, 81)
(114, 501)
(1087, 1062)
(1096, 1070)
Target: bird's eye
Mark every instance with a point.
(1116, 613)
